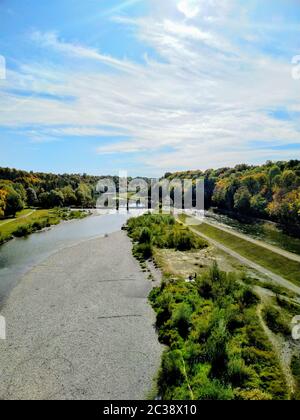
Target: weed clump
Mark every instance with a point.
(217, 349)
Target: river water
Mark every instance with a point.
(268, 232)
(19, 255)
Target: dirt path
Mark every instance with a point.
(17, 218)
(274, 277)
(281, 348)
(272, 248)
(79, 326)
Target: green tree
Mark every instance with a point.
(252, 183)
(242, 200)
(69, 196)
(289, 180)
(32, 199)
(258, 205)
(44, 200)
(3, 201)
(56, 198)
(51, 199)
(274, 171)
(21, 191)
(14, 202)
(84, 195)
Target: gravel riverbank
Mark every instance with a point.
(79, 327)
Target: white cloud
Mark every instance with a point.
(50, 39)
(193, 33)
(210, 10)
(85, 132)
(202, 103)
(190, 8)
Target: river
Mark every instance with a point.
(78, 322)
(19, 255)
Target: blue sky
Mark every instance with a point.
(147, 86)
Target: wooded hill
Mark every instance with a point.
(45, 190)
(269, 191)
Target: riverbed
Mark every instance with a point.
(79, 326)
(19, 255)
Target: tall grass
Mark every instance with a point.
(216, 347)
(161, 231)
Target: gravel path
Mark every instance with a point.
(79, 327)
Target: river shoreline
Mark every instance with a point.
(20, 255)
(52, 223)
(79, 326)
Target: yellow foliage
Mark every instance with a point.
(253, 395)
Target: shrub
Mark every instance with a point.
(183, 241)
(215, 391)
(275, 321)
(289, 306)
(171, 368)
(145, 236)
(162, 231)
(249, 298)
(205, 388)
(217, 347)
(38, 225)
(181, 319)
(295, 368)
(205, 286)
(237, 371)
(142, 251)
(22, 231)
(253, 395)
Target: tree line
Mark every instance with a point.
(270, 191)
(20, 188)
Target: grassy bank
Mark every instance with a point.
(274, 262)
(20, 214)
(29, 221)
(216, 348)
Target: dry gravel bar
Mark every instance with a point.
(79, 327)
